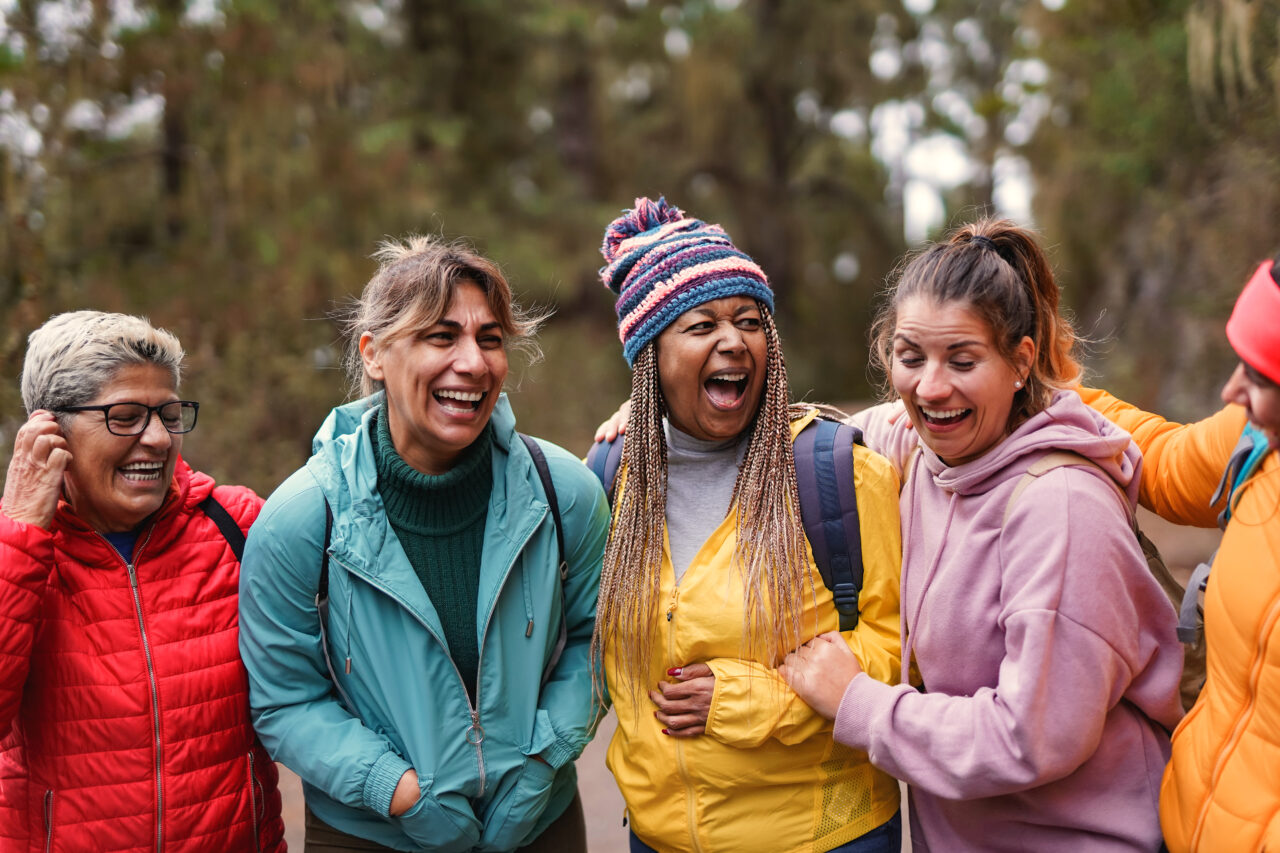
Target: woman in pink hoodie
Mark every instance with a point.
(1046, 650)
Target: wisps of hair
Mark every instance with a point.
(413, 289)
(998, 269)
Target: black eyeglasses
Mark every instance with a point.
(177, 417)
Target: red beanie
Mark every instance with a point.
(1254, 327)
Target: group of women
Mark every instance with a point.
(429, 618)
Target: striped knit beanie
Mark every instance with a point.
(662, 263)
(1254, 327)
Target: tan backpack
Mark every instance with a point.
(1193, 671)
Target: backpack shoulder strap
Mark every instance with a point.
(604, 458)
(553, 504)
(549, 489)
(226, 524)
(1062, 459)
(829, 510)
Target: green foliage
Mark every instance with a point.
(293, 137)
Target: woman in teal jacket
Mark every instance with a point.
(441, 700)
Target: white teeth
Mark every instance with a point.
(464, 396)
(730, 377)
(943, 414)
(142, 470)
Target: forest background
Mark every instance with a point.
(227, 168)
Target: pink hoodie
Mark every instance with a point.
(1047, 649)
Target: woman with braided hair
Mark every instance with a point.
(708, 579)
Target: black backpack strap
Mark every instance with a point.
(322, 594)
(322, 608)
(829, 510)
(226, 524)
(604, 458)
(549, 489)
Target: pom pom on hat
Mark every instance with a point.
(661, 263)
(645, 216)
(1254, 327)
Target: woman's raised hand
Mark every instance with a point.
(34, 480)
(616, 425)
(820, 671)
(683, 704)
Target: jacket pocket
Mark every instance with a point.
(48, 821)
(513, 814)
(441, 825)
(257, 805)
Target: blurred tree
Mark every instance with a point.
(1160, 194)
(228, 167)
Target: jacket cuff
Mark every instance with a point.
(856, 708)
(560, 753)
(384, 775)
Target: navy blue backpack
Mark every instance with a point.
(828, 504)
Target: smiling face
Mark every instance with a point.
(116, 482)
(442, 382)
(956, 385)
(1260, 398)
(711, 368)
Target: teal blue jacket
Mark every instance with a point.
(400, 701)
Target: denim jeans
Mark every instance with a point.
(885, 838)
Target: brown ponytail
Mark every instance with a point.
(1000, 271)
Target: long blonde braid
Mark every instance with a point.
(770, 551)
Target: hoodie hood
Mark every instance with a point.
(1067, 424)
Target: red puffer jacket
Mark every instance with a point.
(124, 708)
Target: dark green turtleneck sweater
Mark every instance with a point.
(440, 524)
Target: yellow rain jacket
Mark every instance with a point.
(766, 775)
(1221, 789)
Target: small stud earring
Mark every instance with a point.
(1017, 384)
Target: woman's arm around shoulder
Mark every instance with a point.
(1181, 463)
(886, 429)
(295, 710)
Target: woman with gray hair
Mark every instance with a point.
(418, 600)
(123, 702)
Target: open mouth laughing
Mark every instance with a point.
(726, 389)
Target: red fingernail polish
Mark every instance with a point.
(675, 670)
(665, 732)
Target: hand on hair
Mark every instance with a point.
(820, 671)
(616, 424)
(684, 703)
(34, 481)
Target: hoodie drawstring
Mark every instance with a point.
(906, 634)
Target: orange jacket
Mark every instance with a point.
(1221, 790)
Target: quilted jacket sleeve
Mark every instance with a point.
(26, 558)
(1181, 463)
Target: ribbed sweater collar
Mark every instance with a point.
(433, 505)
